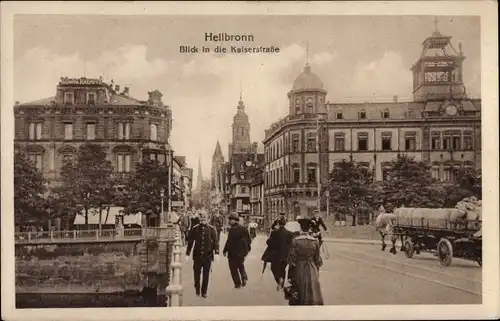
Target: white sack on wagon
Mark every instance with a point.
(471, 207)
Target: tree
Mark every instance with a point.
(352, 191)
(89, 181)
(29, 187)
(142, 193)
(410, 184)
(469, 179)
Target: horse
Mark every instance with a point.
(385, 227)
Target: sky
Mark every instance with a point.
(358, 58)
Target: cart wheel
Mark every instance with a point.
(479, 260)
(445, 251)
(409, 249)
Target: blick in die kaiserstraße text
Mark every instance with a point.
(225, 48)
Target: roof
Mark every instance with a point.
(39, 102)
(307, 80)
(117, 99)
(218, 152)
(181, 160)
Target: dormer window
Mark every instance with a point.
(91, 98)
(385, 114)
(69, 98)
(340, 115)
(362, 114)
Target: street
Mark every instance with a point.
(354, 274)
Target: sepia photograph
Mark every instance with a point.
(258, 160)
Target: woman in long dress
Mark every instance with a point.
(304, 262)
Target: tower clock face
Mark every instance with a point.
(451, 110)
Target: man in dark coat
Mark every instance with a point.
(316, 224)
(279, 243)
(238, 245)
(204, 243)
(276, 222)
(217, 221)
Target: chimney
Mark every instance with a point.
(395, 99)
(125, 91)
(117, 88)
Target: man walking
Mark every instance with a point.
(276, 222)
(279, 243)
(217, 222)
(238, 245)
(203, 241)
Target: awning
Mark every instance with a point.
(93, 217)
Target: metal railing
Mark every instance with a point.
(84, 235)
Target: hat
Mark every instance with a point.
(234, 216)
(282, 213)
(304, 222)
(316, 211)
(281, 221)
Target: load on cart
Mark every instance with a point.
(448, 232)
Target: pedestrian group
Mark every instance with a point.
(298, 250)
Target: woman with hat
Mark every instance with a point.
(304, 262)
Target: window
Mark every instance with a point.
(362, 141)
(242, 175)
(311, 174)
(243, 132)
(447, 174)
(37, 160)
(69, 98)
(456, 141)
(123, 131)
(154, 132)
(297, 108)
(362, 115)
(35, 131)
(311, 142)
(436, 141)
(385, 173)
(385, 114)
(90, 131)
(296, 174)
(410, 141)
(340, 115)
(386, 141)
(339, 142)
(411, 113)
(310, 109)
(91, 98)
(68, 158)
(295, 143)
(446, 141)
(68, 131)
(123, 163)
(435, 173)
(468, 141)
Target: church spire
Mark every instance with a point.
(200, 175)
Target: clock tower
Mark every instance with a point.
(437, 74)
(241, 131)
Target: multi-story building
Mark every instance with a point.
(441, 126)
(257, 194)
(84, 110)
(242, 164)
(187, 179)
(51, 130)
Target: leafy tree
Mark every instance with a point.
(89, 181)
(29, 187)
(469, 179)
(410, 184)
(142, 193)
(352, 191)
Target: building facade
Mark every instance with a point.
(257, 194)
(51, 130)
(187, 178)
(441, 127)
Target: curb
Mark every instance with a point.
(359, 241)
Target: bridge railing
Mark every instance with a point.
(73, 235)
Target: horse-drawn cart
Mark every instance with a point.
(446, 232)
